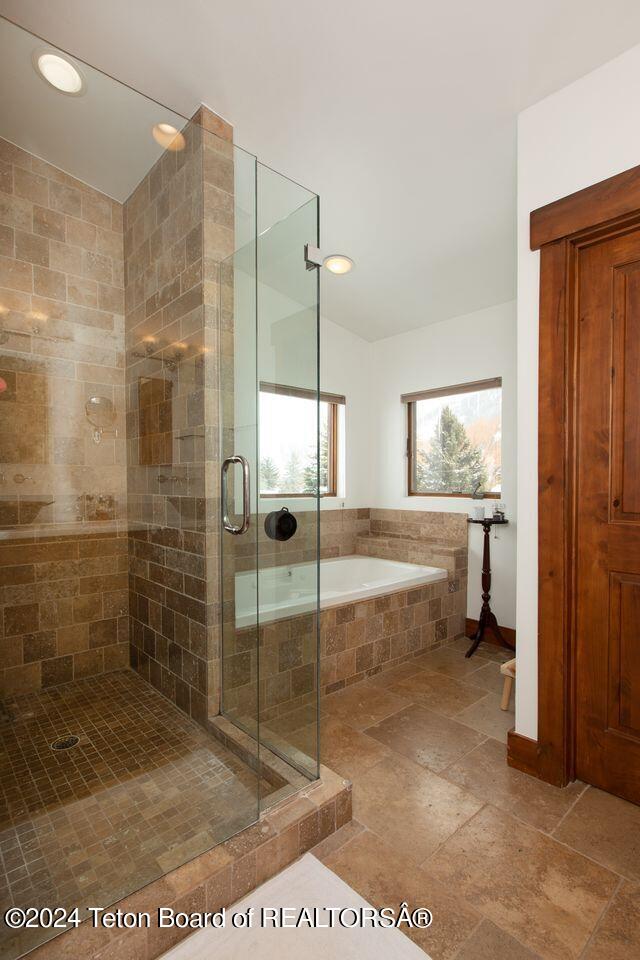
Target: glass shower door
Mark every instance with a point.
(288, 487)
(270, 447)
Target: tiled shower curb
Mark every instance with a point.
(217, 878)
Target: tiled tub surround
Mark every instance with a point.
(418, 536)
(178, 226)
(63, 597)
(357, 641)
(287, 591)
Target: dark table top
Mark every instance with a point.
(490, 521)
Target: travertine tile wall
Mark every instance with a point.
(357, 640)
(421, 525)
(175, 232)
(416, 536)
(218, 174)
(67, 265)
(436, 540)
(288, 647)
(63, 597)
(339, 530)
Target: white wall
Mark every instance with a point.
(473, 347)
(580, 135)
(345, 368)
(287, 355)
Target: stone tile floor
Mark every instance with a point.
(145, 790)
(512, 868)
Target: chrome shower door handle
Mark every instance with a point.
(236, 529)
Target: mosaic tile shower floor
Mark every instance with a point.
(144, 790)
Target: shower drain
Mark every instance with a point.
(65, 743)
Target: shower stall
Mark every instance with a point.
(155, 302)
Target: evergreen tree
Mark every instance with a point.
(451, 462)
(269, 476)
(310, 473)
(291, 481)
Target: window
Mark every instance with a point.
(288, 466)
(455, 440)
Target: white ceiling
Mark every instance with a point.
(102, 137)
(402, 116)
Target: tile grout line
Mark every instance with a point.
(439, 847)
(529, 826)
(449, 716)
(560, 843)
(586, 856)
(461, 758)
(617, 880)
(568, 811)
(598, 922)
(472, 934)
(620, 878)
(347, 843)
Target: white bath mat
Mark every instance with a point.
(306, 883)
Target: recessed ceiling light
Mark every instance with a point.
(338, 263)
(168, 137)
(59, 72)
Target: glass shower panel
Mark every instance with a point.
(112, 357)
(238, 429)
(289, 461)
(269, 427)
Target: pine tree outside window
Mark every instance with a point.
(454, 441)
(288, 448)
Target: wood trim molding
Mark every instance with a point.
(459, 388)
(555, 513)
(522, 753)
(508, 633)
(301, 393)
(611, 199)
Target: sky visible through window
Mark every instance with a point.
(459, 442)
(288, 445)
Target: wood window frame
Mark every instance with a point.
(558, 230)
(410, 399)
(334, 401)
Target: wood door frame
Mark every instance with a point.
(558, 230)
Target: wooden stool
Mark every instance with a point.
(508, 671)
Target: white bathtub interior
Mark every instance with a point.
(286, 591)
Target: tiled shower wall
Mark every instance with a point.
(178, 224)
(63, 563)
(63, 596)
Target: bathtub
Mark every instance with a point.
(290, 590)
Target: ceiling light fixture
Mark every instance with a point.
(338, 263)
(168, 137)
(59, 72)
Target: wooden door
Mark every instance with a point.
(607, 513)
